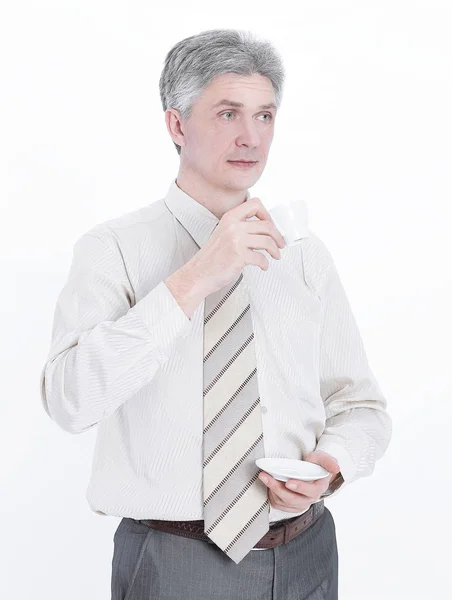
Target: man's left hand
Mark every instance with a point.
(305, 492)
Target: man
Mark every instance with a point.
(198, 343)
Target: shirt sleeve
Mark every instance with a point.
(358, 428)
(103, 350)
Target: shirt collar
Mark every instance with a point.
(193, 216)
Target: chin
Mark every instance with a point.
(246, 179)
(241, 184)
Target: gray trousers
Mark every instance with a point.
(149, 564)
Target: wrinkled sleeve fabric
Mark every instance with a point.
(103, 349)
(358, 428)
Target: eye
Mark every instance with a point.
(230, 112)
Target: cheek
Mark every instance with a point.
(216, 149)
(220, 140)
(200, 151)
(209, 140)
(267, 139)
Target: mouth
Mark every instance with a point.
(243, 163)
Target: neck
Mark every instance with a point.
(217, 200)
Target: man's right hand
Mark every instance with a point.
(231, 246)
(229, 249)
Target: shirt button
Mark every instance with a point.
(263, 409)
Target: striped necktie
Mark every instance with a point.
(236, 506)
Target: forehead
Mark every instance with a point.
(248, 90)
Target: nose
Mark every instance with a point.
(248, 135)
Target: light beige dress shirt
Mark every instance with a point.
(125, 358)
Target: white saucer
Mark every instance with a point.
(284, 469)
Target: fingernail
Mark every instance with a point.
(291, 486)
(264, 479)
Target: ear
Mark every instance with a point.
(173, 122)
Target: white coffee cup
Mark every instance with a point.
(291, 218)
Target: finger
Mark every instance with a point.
(277, 487)
(300, 506)
(311, 489)
(264, 242)
(289, 509)
(251, 208)
(324, 460)
(265, 228)
(286, 497)
(287, 500)
(266, 478)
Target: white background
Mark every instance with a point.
(363, 137)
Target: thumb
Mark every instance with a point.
(323, 459)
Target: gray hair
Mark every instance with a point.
(192, 63)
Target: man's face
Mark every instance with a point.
(216, 135)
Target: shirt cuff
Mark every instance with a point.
(346, 464)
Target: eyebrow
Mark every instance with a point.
(226, 102)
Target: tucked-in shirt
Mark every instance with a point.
(125, 358)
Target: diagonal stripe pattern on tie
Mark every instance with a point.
(236, 506)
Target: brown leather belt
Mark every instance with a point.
(279, 533)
